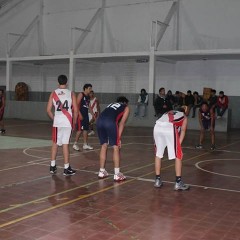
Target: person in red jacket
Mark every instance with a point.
(222, 104)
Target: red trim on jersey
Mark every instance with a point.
(94, 104)
(117, 120)
(177, 145)
(54, 134)
(64, 111)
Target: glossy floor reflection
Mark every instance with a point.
(37, 205)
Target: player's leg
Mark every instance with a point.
(179, 185)
(65, 137)
(54, 149)
(85, 128)
(78, 133)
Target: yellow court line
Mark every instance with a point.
(88, 195)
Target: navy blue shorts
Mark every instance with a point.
(82, 124)
(107, 132)
(207, 124)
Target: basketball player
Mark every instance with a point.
(94, 106)
(2, 107)
(82, 125)
(206, 116)
(110, 126)
(169, 131)
(63, 101)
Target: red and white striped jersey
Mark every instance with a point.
(62, 101)
(174, 117)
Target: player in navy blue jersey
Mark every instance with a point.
(206, 118)
(82, 125)
(110, 125)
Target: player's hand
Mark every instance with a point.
(120, 144)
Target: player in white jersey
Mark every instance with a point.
(169, 131)
(94, 111)
(64, 117)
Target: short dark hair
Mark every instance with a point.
(221, 92)
(213, 91)
(189, 91)
(62, 80)
(87, 85)
(143, 90)
(195, 93)
(160, 89)
(122, 99)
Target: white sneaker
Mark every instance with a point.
(119, 177)
(76, 147)
(87, 147)
(91, 133)
(102, 174)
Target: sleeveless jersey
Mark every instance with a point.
(113, 112)
(84, 105)
(174, 117)
(62, 101)
(93, 104)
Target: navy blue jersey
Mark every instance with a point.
(84, 105)
(107, 123)
(113, 112)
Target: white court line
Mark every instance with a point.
(220, 174)
(192, 185)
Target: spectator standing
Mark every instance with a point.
(142, 102)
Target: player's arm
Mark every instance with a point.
(49, 106)
(75, 108)
(183, 130)
(123, 121)
(98, 108)
(79, 99)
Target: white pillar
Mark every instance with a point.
(71, 79)
(152, 71)
(8, 73)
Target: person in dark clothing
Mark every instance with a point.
(212, 101)
(170, 97)
(197, 103)
(178, 99)
(222, 104)
(161, 103)
(189, 101)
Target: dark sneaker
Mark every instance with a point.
(181, 186)
(158, 183)
(53, 169)
(199, 146)
(213, 147)
(3, 131)
(69, 171)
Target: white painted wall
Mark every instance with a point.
(203, 25)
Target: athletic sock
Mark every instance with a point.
(178, 179)
(66, 165)
(102, 169)
(116, 170)
(53, 163)
(157, 176)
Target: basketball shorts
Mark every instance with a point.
(166, 135)
(61, 135)
(82, 124)
(107, 132)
